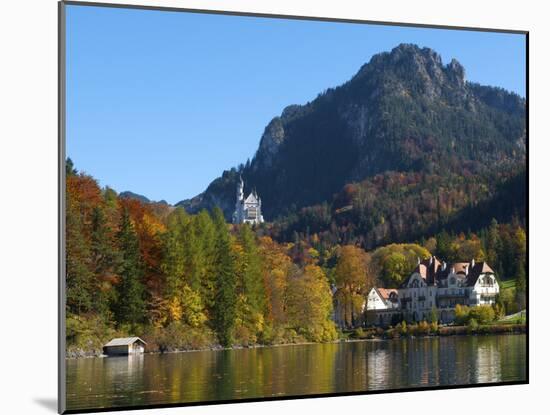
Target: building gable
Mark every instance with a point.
(251, 200)
(375, 300)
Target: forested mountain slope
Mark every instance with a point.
(403, 112)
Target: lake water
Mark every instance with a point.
(155, 379)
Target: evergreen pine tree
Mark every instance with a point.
(253, 286)
(192, 251)
(225, 298)
(493, 246)
(521, 286)
(69, 168)
(104, 260)
(520, 246)
(205, 228)
(130, 307)
(78, 273)
(173, 263)
(443, 246)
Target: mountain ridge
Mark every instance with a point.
(127, 194)
(404, 110)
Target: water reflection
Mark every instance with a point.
(378, 367)
(293, 370)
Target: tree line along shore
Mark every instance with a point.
(190, 282)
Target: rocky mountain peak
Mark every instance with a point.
(403, 111)
(272, 138)
(410, 67)
(455, 72)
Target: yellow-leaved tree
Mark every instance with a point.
(309, 305)
(353, 279)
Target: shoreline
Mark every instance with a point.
(372, 334)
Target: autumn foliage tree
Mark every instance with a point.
(310, 304)
(395, 262)
(193, 280)
(354, 277)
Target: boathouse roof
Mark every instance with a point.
(124, 341)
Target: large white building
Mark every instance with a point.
(247, 210)
(436, 285)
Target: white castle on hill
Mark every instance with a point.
(247, 210)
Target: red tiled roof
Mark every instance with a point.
(385, 292)
(432, 271)
(461, 267)
(422, 270)
(478, 269)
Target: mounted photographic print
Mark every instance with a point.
(260, 207)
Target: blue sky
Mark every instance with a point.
(160, 103)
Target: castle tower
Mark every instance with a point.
(240, 189)
(238, 215)
(249, 209)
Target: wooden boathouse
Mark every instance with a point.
(124, 346)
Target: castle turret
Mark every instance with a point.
(238, 214)
(247, 210)
(240, 189)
